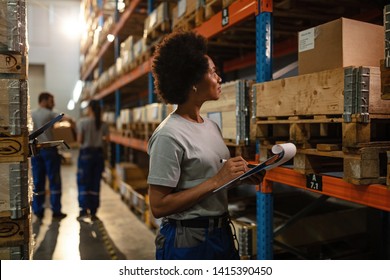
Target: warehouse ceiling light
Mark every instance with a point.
(72, 28)
(70, 105)
(77, 91)
(110, 38)
(121, 6)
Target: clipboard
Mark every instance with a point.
(282, 153)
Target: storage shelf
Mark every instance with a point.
(127, 78)
(118, 26)
(134, 143)
(375, 195)
(238, 11)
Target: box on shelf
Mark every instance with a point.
(157, 112)
(159, 20)
(340, 43)
(128, 172)
(188, 13)
(320, 93)
(231, 111)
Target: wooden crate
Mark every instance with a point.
(19, 252)
(187, 14)
(13, 65)
(14, 189)
(231, 111)
(320, 93)
(212, 7)
(385, 80)
(14, 148)
(15, 232)
(13, 106)
(321, 106)
(247, 238)
(158, 21)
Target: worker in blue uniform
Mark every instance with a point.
(47, 163)
(91, 133)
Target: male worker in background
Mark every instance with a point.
(47, 163)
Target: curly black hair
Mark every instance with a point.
(179, 63)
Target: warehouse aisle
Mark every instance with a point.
(118, 234)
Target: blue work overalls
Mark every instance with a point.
(46, 163)
(89, 174)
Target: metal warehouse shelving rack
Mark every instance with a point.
(376, 196)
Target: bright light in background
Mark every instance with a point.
(70, 105)
(121, 6)
(110, 37)
(77, 91)
(72, 28)
(84, 104)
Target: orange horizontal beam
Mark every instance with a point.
(238, 11)
(240, 63)
(127, 78)
(134, 143)
(375, 195)
(118, 26)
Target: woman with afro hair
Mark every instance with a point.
(185, 154)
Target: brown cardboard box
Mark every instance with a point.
(340, 43)
(64, 131)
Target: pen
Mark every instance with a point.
(223, 160)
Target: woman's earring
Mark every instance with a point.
(194, 88)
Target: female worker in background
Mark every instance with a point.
(185, 153)
(91, 133)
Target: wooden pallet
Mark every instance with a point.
(212, 7)
(310, 130)
(190, 21)
(158, 31)
(385, 80)
(362, 165)
(140, 59)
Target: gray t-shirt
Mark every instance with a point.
(92, 138)
(183, 154)
(40, 117)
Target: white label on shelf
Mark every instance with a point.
(153, 18)
(306, 40)
(155, 112)
(181, 8)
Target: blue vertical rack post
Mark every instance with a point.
(151, 96)
(264, 199)
(117, 91)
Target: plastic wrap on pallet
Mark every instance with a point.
(386, 25)
(13, 106)
(22, 252)
(14, 189)
(13, 35)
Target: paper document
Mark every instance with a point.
(282, 153)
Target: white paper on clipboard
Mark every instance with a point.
(282, 153)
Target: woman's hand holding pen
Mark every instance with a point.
(232, 168)
(254, 179)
